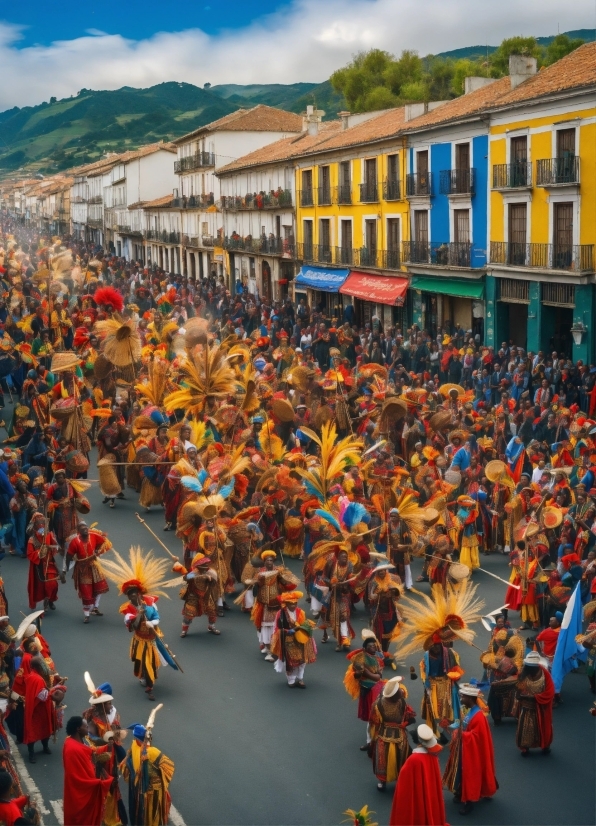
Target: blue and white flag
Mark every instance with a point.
(568, 652)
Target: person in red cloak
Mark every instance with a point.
(40, 717)
(470, 770)
(418, 797)
(535, 693)
(42, 584)
(11, 808)
(84, 793)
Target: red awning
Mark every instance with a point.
(382, 289)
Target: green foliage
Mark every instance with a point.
(499, 60)
(561, 45)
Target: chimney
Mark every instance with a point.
(521, 67)
(345, 119)
(471, 84)
(313, 117)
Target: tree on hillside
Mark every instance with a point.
(562, 45)
(499, 60)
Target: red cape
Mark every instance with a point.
(39, 714)
(84, 794)
(544, 707)
(478, 760)
(418, 797)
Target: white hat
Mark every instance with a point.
(102, 698)
(534, 658)
(391, 686)
(469, 689)
(426, 737)
(367, 634)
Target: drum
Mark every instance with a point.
(458, 571)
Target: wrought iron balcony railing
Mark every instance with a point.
(419, 184)
(199, 160)
(557, 171)
(457, 181)
(570, 257)
(391, 190)
(447, 254)
(515, 175)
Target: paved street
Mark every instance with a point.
(249, 751)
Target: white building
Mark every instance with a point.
(200, 155)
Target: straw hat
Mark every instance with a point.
(64, 362)
(391, 686)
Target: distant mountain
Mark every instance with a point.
(61, 134)
(64, 133)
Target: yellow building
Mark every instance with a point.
(352, 217)
(542, 207)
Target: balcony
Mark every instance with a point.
(163, 236)
(200, 160)
(419, 184)
(516, 175)
(259, 200)
(306, 197)
(568, 257)
(447, 254)
(457, 181)
(347, 257)
(344, 256)
(272, 245)
(203, 201)
(96, 199)
(343, 194)
(391, 190)
(79, 199)
(369, 192)
(558, 171)
(391, 260)
(366, 257)
(324, 196)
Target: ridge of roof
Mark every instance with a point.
(260, 118)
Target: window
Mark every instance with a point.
(563, 235)
(346, 242)
(308, 239)
(422, 162)
(369, 189)
(518, 224)
(393, 168)
(421, 226)
(565, 143)
(368, 254)
(324, 185)
(519, 160)
(462, 156)
(324, 241)
(306, 198)
(345, 183)
(393, 243)
(461, 226)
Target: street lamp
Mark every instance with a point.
(577, 331)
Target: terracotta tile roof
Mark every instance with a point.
(260, 118)
(575, 71)
(284, 149)
(164, 201)
(462, 107)
(386, 124)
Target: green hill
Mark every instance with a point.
(65, 133)
(61, 134)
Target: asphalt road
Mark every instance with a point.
(249, 751)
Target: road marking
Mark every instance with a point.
(28, 781)
(176, 817)
(58, 811)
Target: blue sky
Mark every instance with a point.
(45, 22)
(50, 48)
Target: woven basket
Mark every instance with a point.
(77, 462)
(108, 478)
(64, 362)
(283, 410)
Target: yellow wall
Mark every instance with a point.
(356, 211)
(541, 147)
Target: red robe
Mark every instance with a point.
(418, 797)
(84, 794)
(12, 810)
(478, 760)
(43, 573)
(40, 718)
(544, 707)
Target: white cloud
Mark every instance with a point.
(303, 42)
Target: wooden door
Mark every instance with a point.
(563, 235)
(517, 234)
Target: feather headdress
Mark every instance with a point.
(335, 457)
(205, 379)
(121, 342)
(153, 389)
(446, 618)
(109, 297)
(142, 570)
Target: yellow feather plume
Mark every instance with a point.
(449, 614)
(205, 379)
(272, 445)
(154, 387)
(144, 567)
(334, 458)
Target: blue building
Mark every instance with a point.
(447, 190)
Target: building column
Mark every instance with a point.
(534, 318)
(584, 313)
(490, 315)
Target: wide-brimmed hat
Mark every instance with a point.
(427, 739)
(392, 686)
(469, 689)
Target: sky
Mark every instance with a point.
(56, 48)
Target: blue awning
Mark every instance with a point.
(320, 278)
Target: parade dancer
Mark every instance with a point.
(88, 577)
